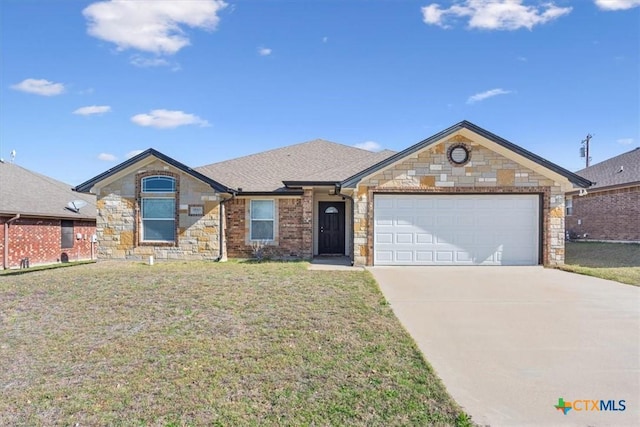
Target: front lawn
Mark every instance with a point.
(209, 344)
(613, 261)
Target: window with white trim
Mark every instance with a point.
(158, 212)
(262, 221)
(568, 206)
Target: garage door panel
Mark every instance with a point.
(444, 220)
(384, 203)
(384, 220)
(444, 256)
(424, 238)
(423, 203)
(456, 229)
(405, 204)
(404, 256)
(424, 222)
(404, 221)
(404, 238)
(424, 256)
(382, 238)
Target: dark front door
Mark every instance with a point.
(331, 228)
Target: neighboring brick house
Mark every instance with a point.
(36, 224)
(461, 197)
(610, 209)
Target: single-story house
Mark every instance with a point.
(42, 220)
(610, 209)
(463, 196)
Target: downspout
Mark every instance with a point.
(353, 208)
(5, 258)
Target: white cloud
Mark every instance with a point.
(264, 51)
(487, 94)
(167, 119)
(39, 87)
(151, 26)
(133, 153)
(617, 4)
(625, 141)
(107, 157)
(92, 109)
(494, 14)
(143, 62)
(369, 146)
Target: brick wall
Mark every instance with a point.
(429, 171)
(40, 240)
(607, 215)
(293, 233)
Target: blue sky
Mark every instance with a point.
(85, 84)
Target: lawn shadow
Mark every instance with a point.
(603, 255)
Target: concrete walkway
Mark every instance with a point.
(508, 342)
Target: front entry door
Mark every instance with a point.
(331, 228)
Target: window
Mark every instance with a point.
(568, 205)
(158, 210)
(262, 219)
(158, 184)
(158, 219)
(66, 229)
(459, 154)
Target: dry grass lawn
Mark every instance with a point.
(209, 344)
(613, 261)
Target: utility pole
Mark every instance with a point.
(584, 150)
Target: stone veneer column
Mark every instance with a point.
(307, 224)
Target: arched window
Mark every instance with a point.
(331, 210)
(158, 184)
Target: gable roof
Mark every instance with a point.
(575, 179)
(31, 194)
(87, 185)
(619, 170)
(318, 161)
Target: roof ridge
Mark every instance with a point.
(271, 151)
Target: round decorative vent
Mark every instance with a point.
(459, 154)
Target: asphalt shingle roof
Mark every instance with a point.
(29, 193)
(316, 161)
(618, 170)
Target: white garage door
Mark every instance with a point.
(492, 229)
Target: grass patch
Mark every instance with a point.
(613, 261)
(43, 267)
(209, 344)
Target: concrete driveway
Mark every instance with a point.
(508, 342)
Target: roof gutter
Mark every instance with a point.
(5, 258)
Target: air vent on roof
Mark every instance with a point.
(76, 205)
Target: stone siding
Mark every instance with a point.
(429, 171)
(119, 220)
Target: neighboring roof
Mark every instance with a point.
(32, 194)
(87, 185)
(317, 161)
(620, 170)
(572, 177)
